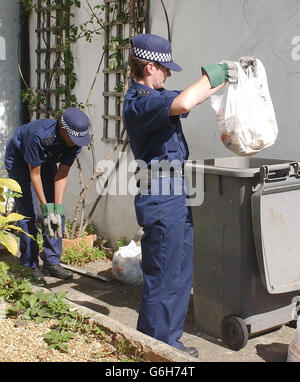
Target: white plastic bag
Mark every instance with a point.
(126, 264)
(294, 347)
(245, 113)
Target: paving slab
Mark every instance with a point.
(121, 302)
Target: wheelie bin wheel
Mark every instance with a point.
(234, 332)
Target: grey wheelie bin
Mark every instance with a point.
(246, 247)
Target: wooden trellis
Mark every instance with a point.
(50, 35)
(129, 19)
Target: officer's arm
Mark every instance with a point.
(193, 95)
(60, 183)
(35, 176)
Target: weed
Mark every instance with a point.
(90, 228)
(15, 288)
(123, 347)
(82, 254)
(14, 282)
(121, 242)
(57, 339)
(39, 306)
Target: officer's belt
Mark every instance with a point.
(146, 175)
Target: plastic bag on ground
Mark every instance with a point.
(127, 264)
(245, 113)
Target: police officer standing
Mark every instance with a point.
(31, 159)
(152, 119)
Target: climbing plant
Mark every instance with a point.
(57, 33)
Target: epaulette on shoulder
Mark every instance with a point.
(143, 92)
(48, 141)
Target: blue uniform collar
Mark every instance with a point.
(137, 86)
(57, 133)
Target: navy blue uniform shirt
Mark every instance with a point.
(38, 142)
(153, 134)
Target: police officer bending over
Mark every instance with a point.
(152, 118)
(31, 159)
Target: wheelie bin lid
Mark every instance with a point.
(276, 221)
(275, 208)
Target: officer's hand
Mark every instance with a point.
(219, 73)
(59, 209)
(49, 223)
(47, 209)
(59, 212)
(56, 225)
(48, 212)
(231, 72)
(246, 62)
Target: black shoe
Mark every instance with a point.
(191, 351)
(57, 271)
(37, 276)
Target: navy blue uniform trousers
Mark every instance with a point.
(167, 261)
(28, 205)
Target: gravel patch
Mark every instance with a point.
(23, 342)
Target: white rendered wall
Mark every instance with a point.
(207, 31)
(9, 76)
(202, 32)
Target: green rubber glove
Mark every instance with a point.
(48, 215)
(219, 73)
(59, 209)
(47, 209)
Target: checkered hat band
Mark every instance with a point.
(71, 131)
(152, 56)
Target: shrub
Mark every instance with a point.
(7, 238)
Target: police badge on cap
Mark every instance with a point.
(76, 122)
(153, 48)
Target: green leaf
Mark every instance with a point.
(61, 295)
(62, 347)
(15, 309)
(9, 241)
(11, 184)
(40, 294)
(2, 208)
(26, 315)
(2, 199)
(38, 320)
(11, 226)
(14, 217)
(2, 221)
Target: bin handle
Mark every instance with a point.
(281, 171)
